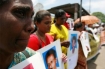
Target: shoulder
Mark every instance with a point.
(19, 57)
(33, 37)
(51, 38)
(53, 26)
(64, 27)
(53, 30)
(30, 51)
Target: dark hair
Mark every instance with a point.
(3, 2)
(77, 25)
(59, 13)
(74, 38)
(40, 15)
(50, 52)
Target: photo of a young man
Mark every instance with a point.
(50, 58)
(73, 42)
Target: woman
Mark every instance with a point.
(40, 38)
(15, 29)
(82, 63)
(59, 31)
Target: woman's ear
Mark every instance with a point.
(36, 23)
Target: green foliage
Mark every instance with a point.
(100, 15)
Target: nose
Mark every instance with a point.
(30, 26)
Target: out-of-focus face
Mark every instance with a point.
(80, 29)
(51, 62)
(73, 43)
(45, 25)
(61, 20)
(15, 25)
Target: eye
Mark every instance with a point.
(19, 13)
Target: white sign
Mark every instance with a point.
(52, 56)
(34, 62)
(71, 23)
(72, 50)
(84, 38)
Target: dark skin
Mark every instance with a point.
(15, 29)
(60, 21)
(43, 27)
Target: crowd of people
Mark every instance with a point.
(18, 33)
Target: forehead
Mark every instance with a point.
(22, 1)
(63, 16)
(46, 17)
(16, 3)
(50, 58)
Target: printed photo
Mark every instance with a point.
(29, 66)
(50, 58)
(73, 42)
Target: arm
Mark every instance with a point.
(65, 43)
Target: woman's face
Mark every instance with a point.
(45, 25)
(15, 25)
(61, 20)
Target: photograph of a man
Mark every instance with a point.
(73, 42)
(50, 58)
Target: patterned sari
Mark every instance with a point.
(19, 57)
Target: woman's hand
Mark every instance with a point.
(65, 43)
(64, 58)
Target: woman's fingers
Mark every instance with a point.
(64, 58)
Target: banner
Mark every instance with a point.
(72, 50)
(84, 38)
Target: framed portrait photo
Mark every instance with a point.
(52, 55)
(72, 53)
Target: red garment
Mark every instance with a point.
(67, 25)
(35, 44)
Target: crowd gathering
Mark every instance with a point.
(19, 33)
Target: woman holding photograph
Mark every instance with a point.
(15, 29)
(59, 31)
(82, 62)
(40, 38)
